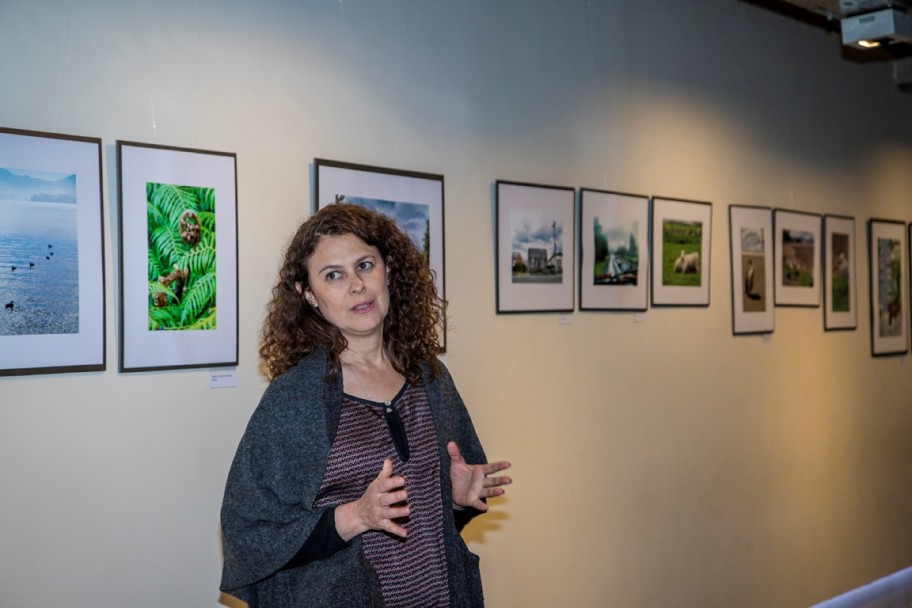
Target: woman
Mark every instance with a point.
(352, 481)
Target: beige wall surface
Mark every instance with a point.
(658, 459)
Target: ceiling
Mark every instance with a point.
(826, 14)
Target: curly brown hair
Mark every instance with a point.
(293, 329)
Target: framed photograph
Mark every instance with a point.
(51, 254)
(534, 228)
(889, 279)
(681, 241)
(178, 257)
(613, 250)
(839, 275)
(412, 198)
(797, 251)
(751, 269)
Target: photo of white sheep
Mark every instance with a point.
(682, 241)
(688, 262)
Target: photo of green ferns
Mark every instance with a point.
(181, 225)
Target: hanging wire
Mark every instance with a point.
(63, 65)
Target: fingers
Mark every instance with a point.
(396, 530)
(484, 471)
(479, 505)
(388, 523)
(474, 483)
(383, 502)
(487, 469)
(453, 451)
(386, 481)
(494, 467)
(496, 482)
(387, 500)
(387, 469)
(490, 491)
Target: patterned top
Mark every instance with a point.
(413, 570)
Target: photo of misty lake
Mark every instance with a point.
(39, 269)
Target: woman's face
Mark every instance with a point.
(348, 285)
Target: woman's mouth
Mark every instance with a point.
(362, 307)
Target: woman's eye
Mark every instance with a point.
(333, 275)
(365, 265)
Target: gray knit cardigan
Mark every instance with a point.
(267, 511)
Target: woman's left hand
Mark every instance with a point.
(471, 482)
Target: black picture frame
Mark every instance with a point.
(681, 242)
(751, 253)
(840, 275)
(797, 260)
(888, 266)
(178, 257)
(613, 251)
(415, 199)
(530, 218)
(52, 274)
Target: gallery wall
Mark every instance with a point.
(658, 459)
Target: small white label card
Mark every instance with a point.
(223, 378)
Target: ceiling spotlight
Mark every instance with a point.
(870, 30)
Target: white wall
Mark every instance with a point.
(661, 463)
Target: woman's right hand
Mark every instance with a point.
(381, 504)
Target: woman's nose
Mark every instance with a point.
(357, 284)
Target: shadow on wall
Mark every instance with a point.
(231, 601)
(894, 591)
(491, 521)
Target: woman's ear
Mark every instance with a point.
(311, 299)
(299, 287)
